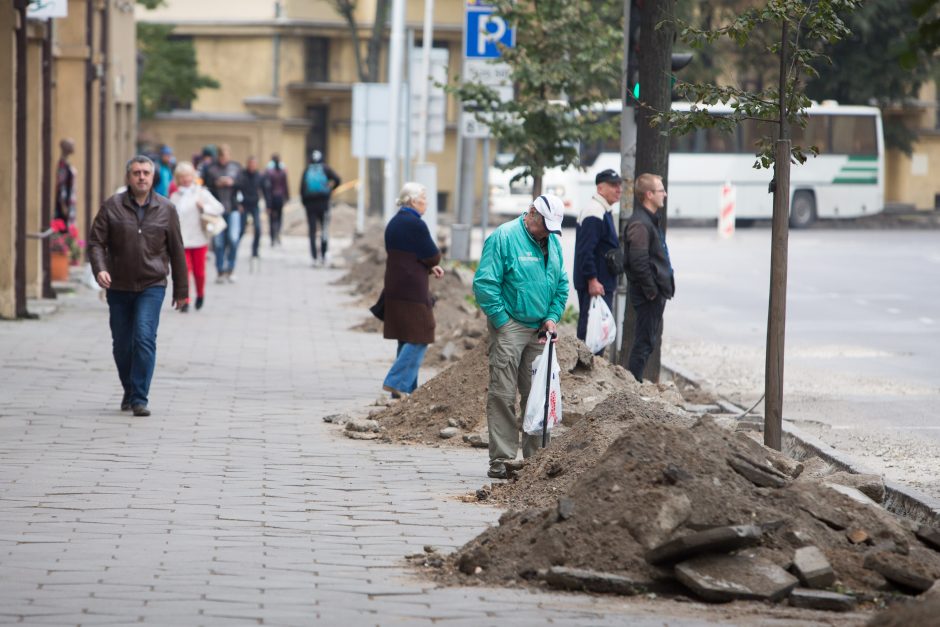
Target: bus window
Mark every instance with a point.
(751, 133)
(718, 141)
(854, 135)
(816, 133)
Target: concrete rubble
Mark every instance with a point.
(721, 578)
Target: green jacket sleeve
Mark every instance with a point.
(488, 282)
(560, 297)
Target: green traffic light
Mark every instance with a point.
(636, 91)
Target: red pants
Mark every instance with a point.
(196, 265)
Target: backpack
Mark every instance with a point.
(315, 181)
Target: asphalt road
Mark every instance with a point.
(862, 361)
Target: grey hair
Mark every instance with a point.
(183, 168)
(410, 192)
(138, 159)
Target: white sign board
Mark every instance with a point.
(370, 119)
(45, 9)
(437, 99)
(495, 75)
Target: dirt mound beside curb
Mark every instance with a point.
(608, 520)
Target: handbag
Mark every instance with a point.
(615, 261)
(378, 309)
(212, 224)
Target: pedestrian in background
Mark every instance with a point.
(192, 201)
(220, 176)
(596, 235)
(276, 194)
(318, 182)
(649, 270)
(522, 287)
(249, 186)
(135, 238)
(409, 314)
(66, 175)
(164, 174)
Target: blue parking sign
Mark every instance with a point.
(484, 32)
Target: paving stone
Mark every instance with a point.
(822, 600)
(721, 578)
(716, 540)
(812, 567)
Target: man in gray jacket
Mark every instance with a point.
(135, 239)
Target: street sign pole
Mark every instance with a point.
(396, 54)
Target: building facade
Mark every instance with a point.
(286, 70)
(65, 77)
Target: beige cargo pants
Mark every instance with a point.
(513, 348)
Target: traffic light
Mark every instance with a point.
(633, 52)
(679, 61)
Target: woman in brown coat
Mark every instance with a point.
(409, 318)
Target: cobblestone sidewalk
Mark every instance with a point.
(234, 504)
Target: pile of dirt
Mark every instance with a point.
(456, 397)
(660, 480)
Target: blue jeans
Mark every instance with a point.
(403, 375)
(225, 244)
(134, 317)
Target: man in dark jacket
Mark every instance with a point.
(135, 239)
(316, 185)
(595, 236)
(220, 176)
(649, 271)
(250, 185)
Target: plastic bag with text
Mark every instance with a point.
(601, 326)
(542, 369)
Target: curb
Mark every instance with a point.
(899, 499)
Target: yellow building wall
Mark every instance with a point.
(243, 66)
(7, 160)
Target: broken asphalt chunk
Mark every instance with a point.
(590, 581)
(822, 600)
(717, 540)
(763, 476)
(721, 578)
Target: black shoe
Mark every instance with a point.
(497, 472)
(140, 410)
(184, 307)
(126, 402)
(199, 301)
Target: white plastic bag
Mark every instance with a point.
(535, 406)
(601, 326)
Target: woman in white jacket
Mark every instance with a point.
(192, 201)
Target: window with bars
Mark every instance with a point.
(317, 59)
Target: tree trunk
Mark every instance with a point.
(652, 143)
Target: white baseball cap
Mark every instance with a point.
(552, 209)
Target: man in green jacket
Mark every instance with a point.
(522, 288)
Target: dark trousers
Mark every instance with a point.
(584, 306)
(134, 318)
(318, 211)
(275, 211)
(647, 331)
(255, 213)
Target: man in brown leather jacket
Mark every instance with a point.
(134, 241)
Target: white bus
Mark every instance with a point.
(846, 180)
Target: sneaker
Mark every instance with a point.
(199, 301)
(231, 278)
(219, 280)
(395, 393)
(126, 402)
(184, 307)
(140, 410)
